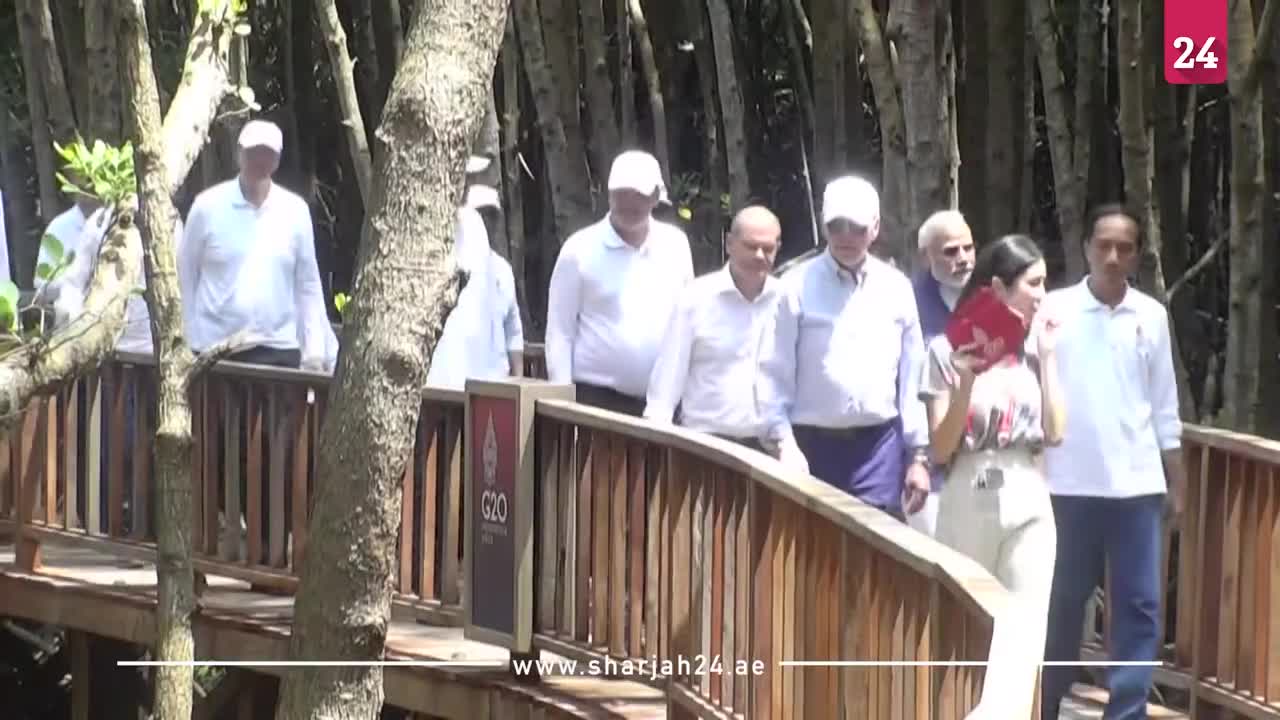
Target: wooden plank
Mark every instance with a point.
(1188, 541)
(233, 412)
(143, 441)
(215, 390)
(594, 453)
(49, 457)
(93, 459)
(788, 592)
(679, 628)
(301, 499)
(669, 508)
(636, 557)
(408, 535)
(601, 473)
(1229, 607)
(730, 580)
(617, 557)
(655, 543)
(429, 443)
(742, 599)
(1270, 538)
(1245, 650)
(547, 436)
(253, 469)
(716, 519)
(70, 459)
(115, 456)
(277, 434)
(450, 553)
(570, 481)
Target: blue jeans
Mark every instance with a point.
(1127, 533)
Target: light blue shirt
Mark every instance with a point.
(847, 351)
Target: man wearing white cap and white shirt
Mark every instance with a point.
(247, 263)
(69, 228)
(842, 373)
(614, 288)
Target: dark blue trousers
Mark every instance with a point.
(1125, 532)
(869, 463)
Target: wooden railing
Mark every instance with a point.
(652, 544)
(1221, 644)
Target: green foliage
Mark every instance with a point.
(340, 301)
(220, 10)
(8, 307)
(106, 171)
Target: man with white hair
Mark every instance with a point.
(842, 372)
(247, 263)
(614, 288)
(946, 247)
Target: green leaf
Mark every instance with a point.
(43, 271)
(340, 302)
(8, 306)
(685, 213)
(52, 245)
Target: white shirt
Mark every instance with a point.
(709, 363)
(847, 351)
(1116, 369)
(72, 285)
(609, 305)
(252, 269)
(68, 227)
(485, 324)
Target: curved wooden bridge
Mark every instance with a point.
(655, 552)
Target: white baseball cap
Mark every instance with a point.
(482, 196)
(261, 133)
(636, 170)
(478, 163)
(850, 198)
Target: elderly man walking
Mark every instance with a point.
(709, 363)
(843, 368)
(613, 290)
(946, 246)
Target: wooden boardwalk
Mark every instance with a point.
(87, 590)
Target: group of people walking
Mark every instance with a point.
(1061, 456)
(1054, 463)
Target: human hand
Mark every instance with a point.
(1047, 331)
(966, 359)
(789, 454)
(916, 488)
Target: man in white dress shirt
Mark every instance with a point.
(843, 369)
(709, 364)
(613, 290)
(68, 227)
(1118, 464)
(247, 263)
(482, 338)
(484, 200)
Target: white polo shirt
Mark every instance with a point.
(485, 324)
(1116, 369)
(253, 269)
(709, 364)
(609, 305)
(68, 227)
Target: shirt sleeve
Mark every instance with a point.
(70, 286)
(308, 296)
(671, 368)
(190, 252)
(512, 325)
(915, 425)
(936, 374)
(778, 367)
(1164, 388)
(564, 298)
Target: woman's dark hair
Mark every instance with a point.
(1007, 258)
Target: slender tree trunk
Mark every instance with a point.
(344, 600)
(103, 70)
(829, 84)
(732, 111)
(653, 85)
(626, 76)
(335, 43)
(603, 139)
(1069, 126)
(513, 174)
(388, 31)
(1251, 328)
(176, 367)
(15, 174)
(42, 117)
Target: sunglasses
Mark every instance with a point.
(841, 225)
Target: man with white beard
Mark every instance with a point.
(946, 247)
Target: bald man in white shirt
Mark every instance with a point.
(709, 363)
(613, 291)
(247, 263)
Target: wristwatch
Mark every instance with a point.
(921, 456)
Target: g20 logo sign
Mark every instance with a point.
(493, 502)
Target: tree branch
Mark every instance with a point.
(210, 357)
(1261, 44)
(1195, 269)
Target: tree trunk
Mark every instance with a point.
(513, 176)
(732, 111)
(35, 56)
(895, 189)
(175, 366)
(16, 188)
(653, 85)
(829, 142)
(1251, 328)
(626, 76)
(567, 181)
(388, 32)
(344, 80)
(102, 67)
(1069, 126)
(603, 138)
(344, 599)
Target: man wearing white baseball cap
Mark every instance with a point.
(247, 263)
(613, 291)
(842, 371)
